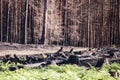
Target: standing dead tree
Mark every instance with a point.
(86, 23)
(38, 7)
(53, 22)
(16, 20)
(1, 20)
(8, 21)
(72, 22)
(26, 20)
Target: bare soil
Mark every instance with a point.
(29, 49)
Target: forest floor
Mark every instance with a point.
(29, 49)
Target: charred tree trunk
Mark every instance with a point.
(8, 22)
(43, 37)
(16, 21)
(89, 43)
(1, 21)
(85, 23)
(26, 20)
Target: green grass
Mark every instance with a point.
(64, 72)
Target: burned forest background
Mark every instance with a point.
(84, 23)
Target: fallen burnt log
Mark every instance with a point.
(46, 63)
(81, 58)
(86, 61)
(91, 60)
(24, 59)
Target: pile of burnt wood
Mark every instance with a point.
(95, 57)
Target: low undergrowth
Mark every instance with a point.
(64, 72)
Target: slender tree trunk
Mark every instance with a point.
(16, 18)
(8, 17)
(89, 24)
(65, 29)
(26, 20)
(118, 22)
(1, 20)
(43, 37)
(32, 26)
(19, 21)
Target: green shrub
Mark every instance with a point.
(64, 72)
